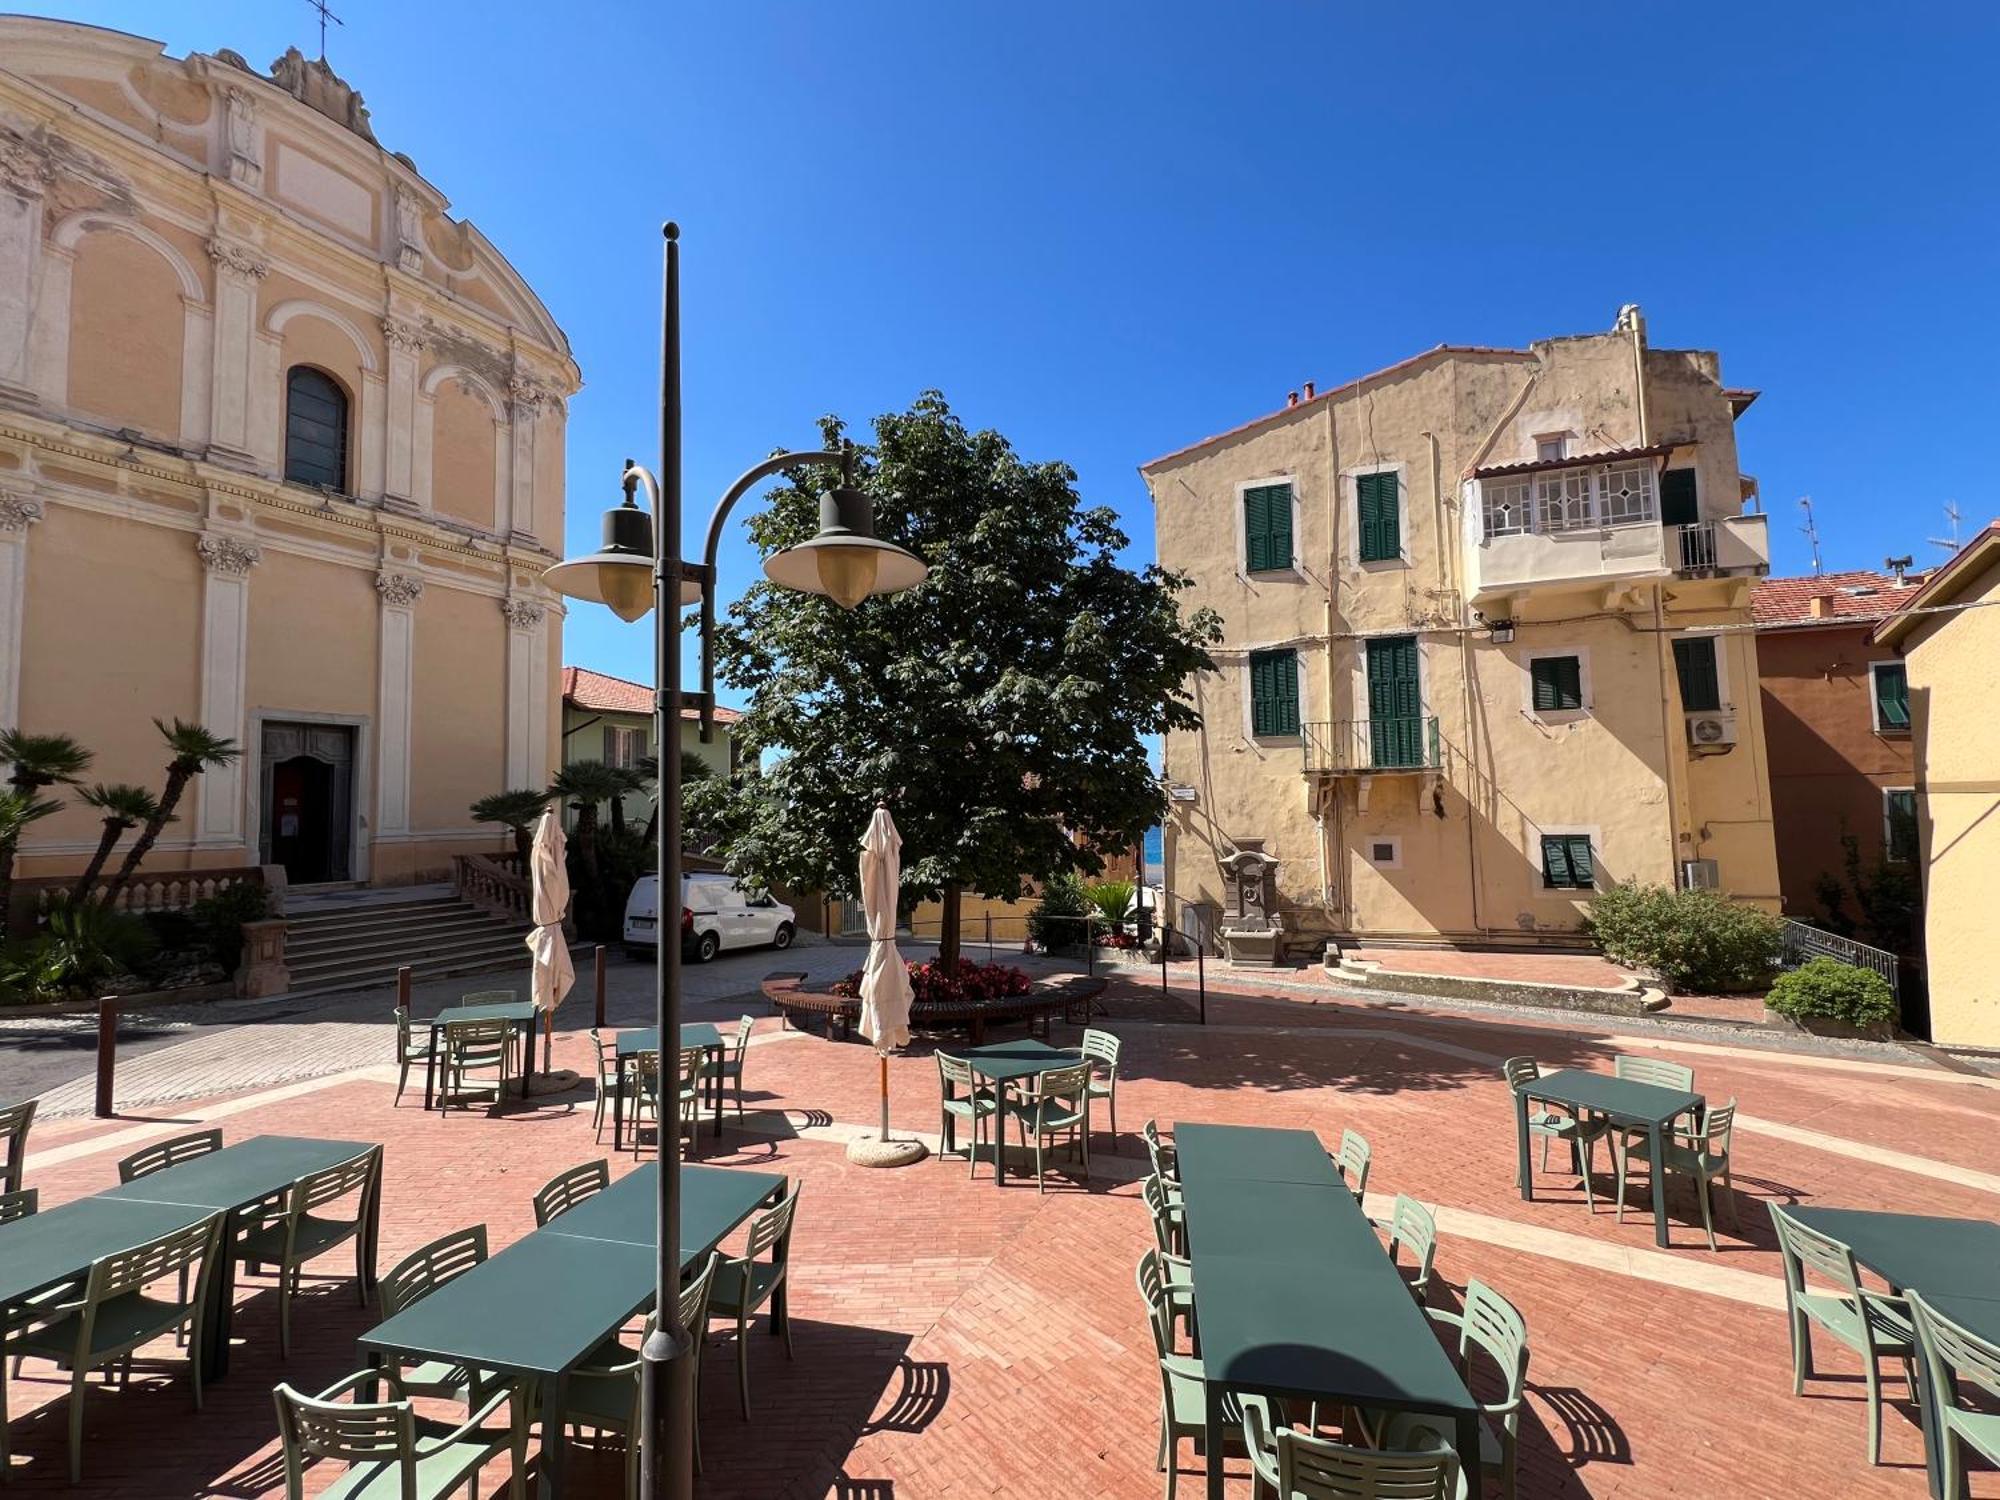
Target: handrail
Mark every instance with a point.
(1801, 941)
(488, 884)
(1364, 747)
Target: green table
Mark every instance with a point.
(47, 1249)
(1955, 1263)
(238, 1178)
(1641, 1106)
(1294, 1294)
(539, 1306)
(636, 1039)
(1002, 1064)
(519, 1014)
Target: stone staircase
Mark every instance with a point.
(357, 938)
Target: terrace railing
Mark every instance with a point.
(1802, 942)
(494, 883)
(168, 890)
(1366, 747)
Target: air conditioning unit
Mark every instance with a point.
(1711, 733)
(1700, 875)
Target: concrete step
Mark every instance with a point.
(364, 977)
(413, 953)
(336, 918)
(391, 946)
(454, 920)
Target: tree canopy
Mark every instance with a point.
(1001, 708)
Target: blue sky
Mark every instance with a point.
(1108, 228)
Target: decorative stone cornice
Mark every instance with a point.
(24, 169)
(238, 258)
(528, 398)
(18, 512)
(405, 333)
(226, 554)
(399, 590)
(241, 118)
(522, 614)
(409, 230)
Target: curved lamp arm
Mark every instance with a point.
(843, 456)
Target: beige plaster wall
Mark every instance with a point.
(457, 743)
(463, 444)
(314, 632)
(125, 335)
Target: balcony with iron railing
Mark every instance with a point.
(1372, 747)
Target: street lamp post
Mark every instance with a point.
(639, 568)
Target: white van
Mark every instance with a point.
(716, 913)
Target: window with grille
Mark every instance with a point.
(1274, 692)
(1507, 507)
(1566, 862)
(1892, 697)
(1559, 500)
(1701, 683)
(1556, 683)
(1625, 494)
(315, 429)
(1267, 527)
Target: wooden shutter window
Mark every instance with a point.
(1899, 834)
(1566, 862)
(1267, 528)
(1892, 697)
(315, 429)
(1694, 663)
(1558, 683)
(1378, 517)
(1274, 693)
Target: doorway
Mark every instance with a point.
(308, 801)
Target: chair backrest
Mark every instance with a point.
(772, 1230)
(1413, 1225)
(129, 1270)
(955, 1071)
(18, 1205)
(694, 1297)
(744, 1027)
(1101, 1046)
(1351, 1161)
(691, 1061)
(1161, 1154)
(169, 1153)
(402, 1032)
(1166, 1234)
(607, 1055)
(317, 1189)
(1954, 1353)
(477, 1036)
(1520, 1071)
(1718, 1127)
(1802, 1249)
(1064, 1083)
(423, 1271)
(351, 1432)
(1653, 1070)
(489, 997)
(1155, 1273)
(14, 1122)
(1492, 1324)
(565, 1190)
(1311, 1468)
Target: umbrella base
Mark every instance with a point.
(876, 1152)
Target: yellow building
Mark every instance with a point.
(1948, 633)
(281, 451)
(1471, 673)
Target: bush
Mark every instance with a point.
(217, 921)
(1111, 899)
(1829, 989)
(932, 982)
(597, 898)
(1057, 920)
(1693, 940)
(82, 947)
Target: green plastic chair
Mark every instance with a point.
(604, 1391)
(297, 1234)
(961, 1100)
(1581, 1133)
(14, 1122)
(1183, 1399)
(18, 1205)
(1299, 1467)
(1100, 1048)
(1351, 1162)
(1953, 1354)
(113, 1316)
(1057, 1108)
(1704, 1159)
(1490, 1326)
(414, 1278)
(1163, 1202)
(392, 1452)
(608, 1083)
(168, 1153)
(745, 1284)
(1872, 1324)
(412, 1047)
(476, 1047)
(727, 1070)
(565, 1190)
(1412, 1226)
(489, 997)
(1162, 1155)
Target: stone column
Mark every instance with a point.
(406, 341)
(17, 513)
(527, 687)
(24, 174)
(238, 269)
(400, 592)
(225, 663)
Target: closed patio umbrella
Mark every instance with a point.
(885, 982)
(548, 944)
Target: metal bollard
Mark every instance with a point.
(597, 964)
(107, 1052)
(403, 988)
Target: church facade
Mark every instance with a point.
(281, 452)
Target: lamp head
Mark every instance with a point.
(846, 561)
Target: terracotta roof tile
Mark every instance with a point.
(598, 692)
(1857, 597)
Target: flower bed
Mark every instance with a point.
(932, 984)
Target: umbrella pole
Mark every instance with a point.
(884, 1061)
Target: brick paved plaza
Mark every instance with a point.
(954, 1340)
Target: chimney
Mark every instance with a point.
(1899, 566)
(1822, 606)
(1309, 390)
(1291, 398)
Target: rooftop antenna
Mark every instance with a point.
(325, 15)
(1951, 515)
(1811, 529)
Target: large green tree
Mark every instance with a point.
(1001, 708)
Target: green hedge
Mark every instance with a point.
(1698, 941)
(1826, 988)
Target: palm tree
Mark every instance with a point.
(516, 810)
(630, 779)
(587, 785)
(124, 807)
(17, 810)
(42, 760)
(193, 749)
(693, 768)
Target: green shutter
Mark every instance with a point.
(1378, 517)
(1694, 661)
(1274, 692)
(1892, 697)
(1558, 683)
(1267, 527)
(1555, 861)
(1566, 862)
(1580, 869)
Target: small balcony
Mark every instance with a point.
(1719, 548)
(1372, 747)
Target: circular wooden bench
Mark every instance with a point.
(835, 1016)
